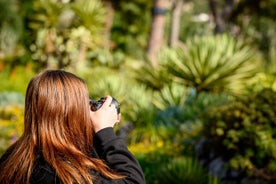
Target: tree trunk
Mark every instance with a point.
(221, 17)
(219, 28)
(155, 40)
(175, 22)
(109, 22)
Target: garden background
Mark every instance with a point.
(195, 79)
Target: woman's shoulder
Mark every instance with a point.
(100, 179)
(43, 173)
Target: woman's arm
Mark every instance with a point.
(114, 151)
(111, 148)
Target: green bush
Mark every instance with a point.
(152, 155)
(212, 63)
(11, 118)
(161, 165)
(154, 78)
(244, 132)
(182, 112)
(184, 170)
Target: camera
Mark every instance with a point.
(95, 105)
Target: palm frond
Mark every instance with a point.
(218, 63)
(91, 14)
(171, 95)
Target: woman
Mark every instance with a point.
(64, 141)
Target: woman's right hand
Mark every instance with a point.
(106, 116)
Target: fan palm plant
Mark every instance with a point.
(217, 63)
(171, 95)
(185, 170)
(91, 14)
(155, 78)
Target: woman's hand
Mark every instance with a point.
(106, 116)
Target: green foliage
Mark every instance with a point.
(44, 14)
(10, 26)
(135, 99)
(182, 122)
(260, 31)
(162, 165)
(130, 27)
(11, 118)
(256, 22)
(264, 80)
(104, 57)
(184, 170)
(152, 155)
(218, 63)
(90, 14)
(177, 109)
(191, 23)
(62, 34)
(154, 77)
(163, 104)
(171, 95)
(11, 125)
(15, 79)
(140, 103)
(245, 130)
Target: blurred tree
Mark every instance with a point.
(255, 21)
(156, 37)
(130, 28)
(221, 17)
(108, 22)
(255, 7)
(175, 22)
(10, 27)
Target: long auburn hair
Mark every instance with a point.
(57, 125)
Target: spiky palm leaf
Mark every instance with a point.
(183, 170)
(218, 63)
(44, 14)
(154, 77)
(91, 14)
(171, 95)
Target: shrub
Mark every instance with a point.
(161, 165)
(152, 155)
(181, 119)
(154, 78)
(244, 133)
(183, 170)
(218, 63)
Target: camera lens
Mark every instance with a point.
(95, 105)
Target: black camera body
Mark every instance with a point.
(95, 105)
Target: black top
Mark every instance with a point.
(111, 149)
